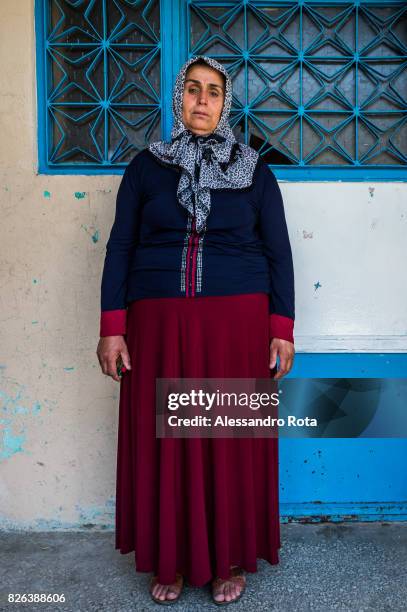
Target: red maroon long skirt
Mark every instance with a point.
(195, 506)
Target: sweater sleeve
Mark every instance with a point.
(119, 248)
(277, 248)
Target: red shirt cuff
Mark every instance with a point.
(281, 327)
(113, 322)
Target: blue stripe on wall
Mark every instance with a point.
(344, 479)
(349, 365)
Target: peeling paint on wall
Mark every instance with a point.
(88, 517)
(11, 443)
(16, 409)
(92, 516)
(79, 195)
(317, 285)
(47, 194)
(94, 236)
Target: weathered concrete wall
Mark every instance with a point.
(58, 412)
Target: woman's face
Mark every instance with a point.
(203, 98)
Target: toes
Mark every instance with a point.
(165, 591)
(161, 593)
(227, 590)
(156, 590)
(219, 594)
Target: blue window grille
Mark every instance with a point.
(320, 88)
(99, 82)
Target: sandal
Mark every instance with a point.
(236, 576)
(166, 602)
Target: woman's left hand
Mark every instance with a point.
(285, 351)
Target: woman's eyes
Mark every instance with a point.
(194, 90)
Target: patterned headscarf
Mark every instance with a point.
(214, 161)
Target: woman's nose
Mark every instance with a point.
(203, 98)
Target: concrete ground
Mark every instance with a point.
(323, 567)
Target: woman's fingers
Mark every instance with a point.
(112, 369)
(110, 348)
(110, 365)
(125, 357)
(282, 371)
(285, 351)
(273, 355)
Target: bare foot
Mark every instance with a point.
(230, 589)
(166, 591)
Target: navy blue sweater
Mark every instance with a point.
(154, 251)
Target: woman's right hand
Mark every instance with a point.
(109, 349)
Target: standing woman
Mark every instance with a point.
(197, 282)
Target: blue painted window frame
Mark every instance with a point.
(175, 26)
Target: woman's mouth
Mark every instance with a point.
(200, 114)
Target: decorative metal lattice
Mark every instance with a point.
(318, 85)
(315, 83)
(102, 80)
